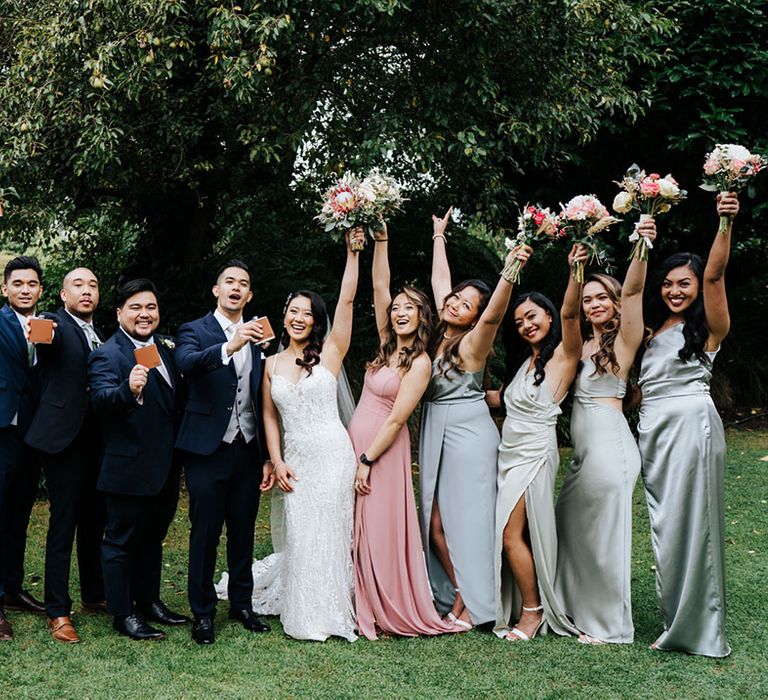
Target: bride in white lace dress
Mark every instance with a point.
(309, 581)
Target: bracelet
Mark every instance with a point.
(439, 235)
(364, 460)
(380, 240)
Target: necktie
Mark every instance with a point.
(238, 357)
(90, 334)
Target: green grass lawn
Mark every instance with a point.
(473, 665)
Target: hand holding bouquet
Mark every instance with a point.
(353, 201)
(534, 224)
(649, 194)
(581, 218)
(729, 168)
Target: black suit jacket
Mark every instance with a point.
(63, 378)
(138, 437)
(212, 386)
(18, 392)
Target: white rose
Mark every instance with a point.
(667, 189)
(622, 202)
(734, 151)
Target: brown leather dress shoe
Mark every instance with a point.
(62, 630)
(6, 633)
(97, 606)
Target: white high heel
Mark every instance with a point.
(519, 635)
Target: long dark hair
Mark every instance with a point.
(314, 346)
(450, 359)
(605, 356)
(695, 331)
(513, 342)
(423, 332)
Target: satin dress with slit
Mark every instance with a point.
(682, 443)
(457, 469)
(392, 593)
(527, 466)
(594, 512)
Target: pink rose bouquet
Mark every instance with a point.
(581, 218)
(534, 224)
(649, 194)
(729, 168)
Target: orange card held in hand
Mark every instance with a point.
(148, 356)
(266, 329)
(40, 330)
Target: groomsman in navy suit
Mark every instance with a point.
(66, 432)
(222, 435)
(137, 407)
(19, 466)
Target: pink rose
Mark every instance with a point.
(649, 187)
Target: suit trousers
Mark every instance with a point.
(19, 484)
(75, 506)
(132, 551)
(223, 488)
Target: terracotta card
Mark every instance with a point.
(266, 327)
(148, 356)
(41, 330)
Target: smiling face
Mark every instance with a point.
(233, 291)
(680, 288)
(80, 293)
(532, 322)
(139, 316)
(596, 304)
(461, 308)
(23, 290)
(299, 319)
(404, 315)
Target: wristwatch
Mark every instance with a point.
(364, 460)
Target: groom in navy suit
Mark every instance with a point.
(137, 406)
(19, 466)
(222, 435)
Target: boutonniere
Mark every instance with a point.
(167, 343)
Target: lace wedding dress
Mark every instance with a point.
(309, 580)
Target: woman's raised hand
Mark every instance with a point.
(727, 204)
(520, 252)
(381, 234)
(647, 229)
(354, 234)
(440, 224)
(579, 254)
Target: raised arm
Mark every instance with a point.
(569, 311)
(631, 330)
(412, 387)
(441, 272)
(477, 344)
(382, 297)
(715, 300)
(337, 343)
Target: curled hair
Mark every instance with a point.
(512, 340)
(314, 345)
(605, 355)
(450, 359)
(695, 330)
(421, 340)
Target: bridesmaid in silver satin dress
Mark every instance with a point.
(526, 540)
(594, 509)
(682, 444)
(458, 441)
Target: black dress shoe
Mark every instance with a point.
(135, 628)
(202, 630)
(24, 600)
(158, 612)
(249, 619)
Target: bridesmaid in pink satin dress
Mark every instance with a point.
(392, 593)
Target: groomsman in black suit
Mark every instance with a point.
(222, 434)
(66, 432)
(19, 465)
(137, 406)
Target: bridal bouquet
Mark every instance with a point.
(581, 218)
(534, 224)
(354, 201)
(649, 194)
(728, 169)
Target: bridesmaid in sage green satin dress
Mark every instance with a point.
(525, 551)
(682, 444)
(458, 440)
(594, 508)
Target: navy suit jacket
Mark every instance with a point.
(16, 394)
(212, 386)
(138, 438)
(63, 377)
